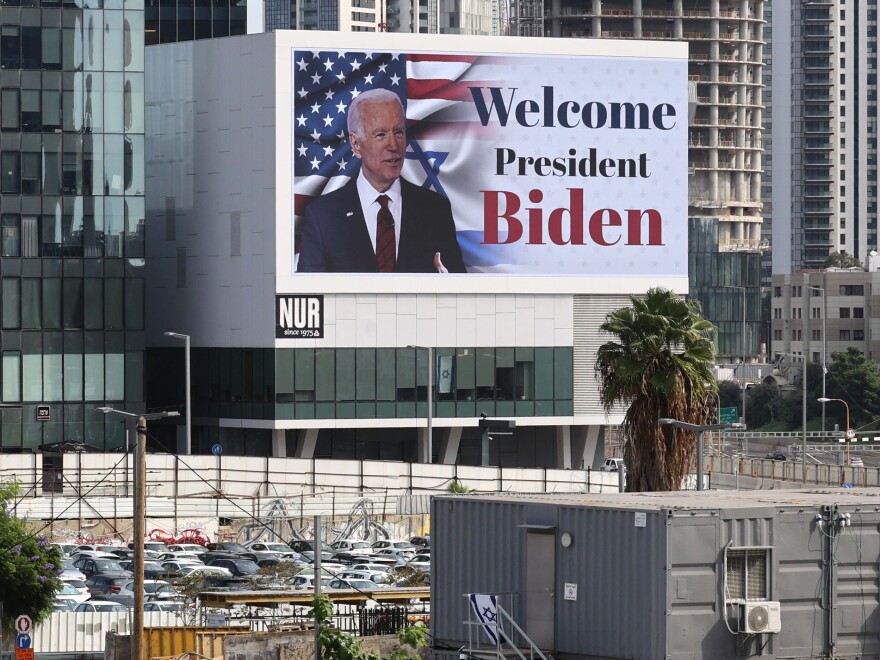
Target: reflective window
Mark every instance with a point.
(11, 377)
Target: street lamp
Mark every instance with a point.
(825, 400)
(428, 456)
(803, 359)
(698, 428)
(824, 345)
(139, 514)
(743, 289)
(187, 449)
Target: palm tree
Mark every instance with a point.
(660, 364)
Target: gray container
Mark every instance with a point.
(665, 575)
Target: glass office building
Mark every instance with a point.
(169, 21)
(72, 216)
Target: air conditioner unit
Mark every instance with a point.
(760, 617)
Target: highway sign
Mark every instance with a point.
(23, 641)
(23, 624)
(850, 434)
(728, 416)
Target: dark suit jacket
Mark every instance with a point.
(335, 237)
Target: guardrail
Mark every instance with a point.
(818, 474)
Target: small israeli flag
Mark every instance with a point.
(485, 606)
(445, 374)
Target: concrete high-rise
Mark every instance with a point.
(726, 40)
(824, 132)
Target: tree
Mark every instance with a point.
(855, 379)
(29, 566)
(660, 364)
(842, 260)
(333, 644)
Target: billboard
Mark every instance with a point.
(510, 164)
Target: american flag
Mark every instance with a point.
(438, 106)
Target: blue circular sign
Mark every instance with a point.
(23, 641)
(216, 450)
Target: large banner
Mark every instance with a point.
(488, 164)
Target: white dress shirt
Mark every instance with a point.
(370, 207)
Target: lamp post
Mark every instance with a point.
(699, 428)
(803, 359)
(743, 289)
(139, 512)
(428, 457)
(824, 345)
(825, 400)
(187, 448)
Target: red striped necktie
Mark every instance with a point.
(385, 240)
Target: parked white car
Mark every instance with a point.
(612, 464)
(72, 594)
(187, 547)
(352, 546)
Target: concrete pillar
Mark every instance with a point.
(447, 442)
(306, 439)
(585, 449)
(563, 448)
(279, 443)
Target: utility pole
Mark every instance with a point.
(140, 512)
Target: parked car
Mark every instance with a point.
(379, 577)
(91, 567)
(776, 456)
(400, 557)
(187, 547)
(282, 549)
(63, 606)
(351, 547)
(612, 464)
(360, 585)
(421, 541)
(307, 549)
(235, 548)
(101, 585)
(70, 572)
(421, 562)
(206, 571)
(154, 589)
(856, 461)
(395, 544)
(238, 567)
(70, 593)
(153, 570)
(80, 586)
(100, 606)
(157, 546)
(66, 548)
(168, 606)
(307, 582)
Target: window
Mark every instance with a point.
(777, 313)
(852, 290)
(858, 312)
(777, 291)
(817, 335)
(745, 574)
(796, 313)
(777, 335)
(844, 335)
(859, 335)
(844, 312)
(816, 357)
(816, 312)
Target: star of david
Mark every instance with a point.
(488, 614)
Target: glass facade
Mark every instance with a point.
(170, 21)
(71, 218)
(359, 383)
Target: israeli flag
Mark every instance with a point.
(485, 606)
(445, 374)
